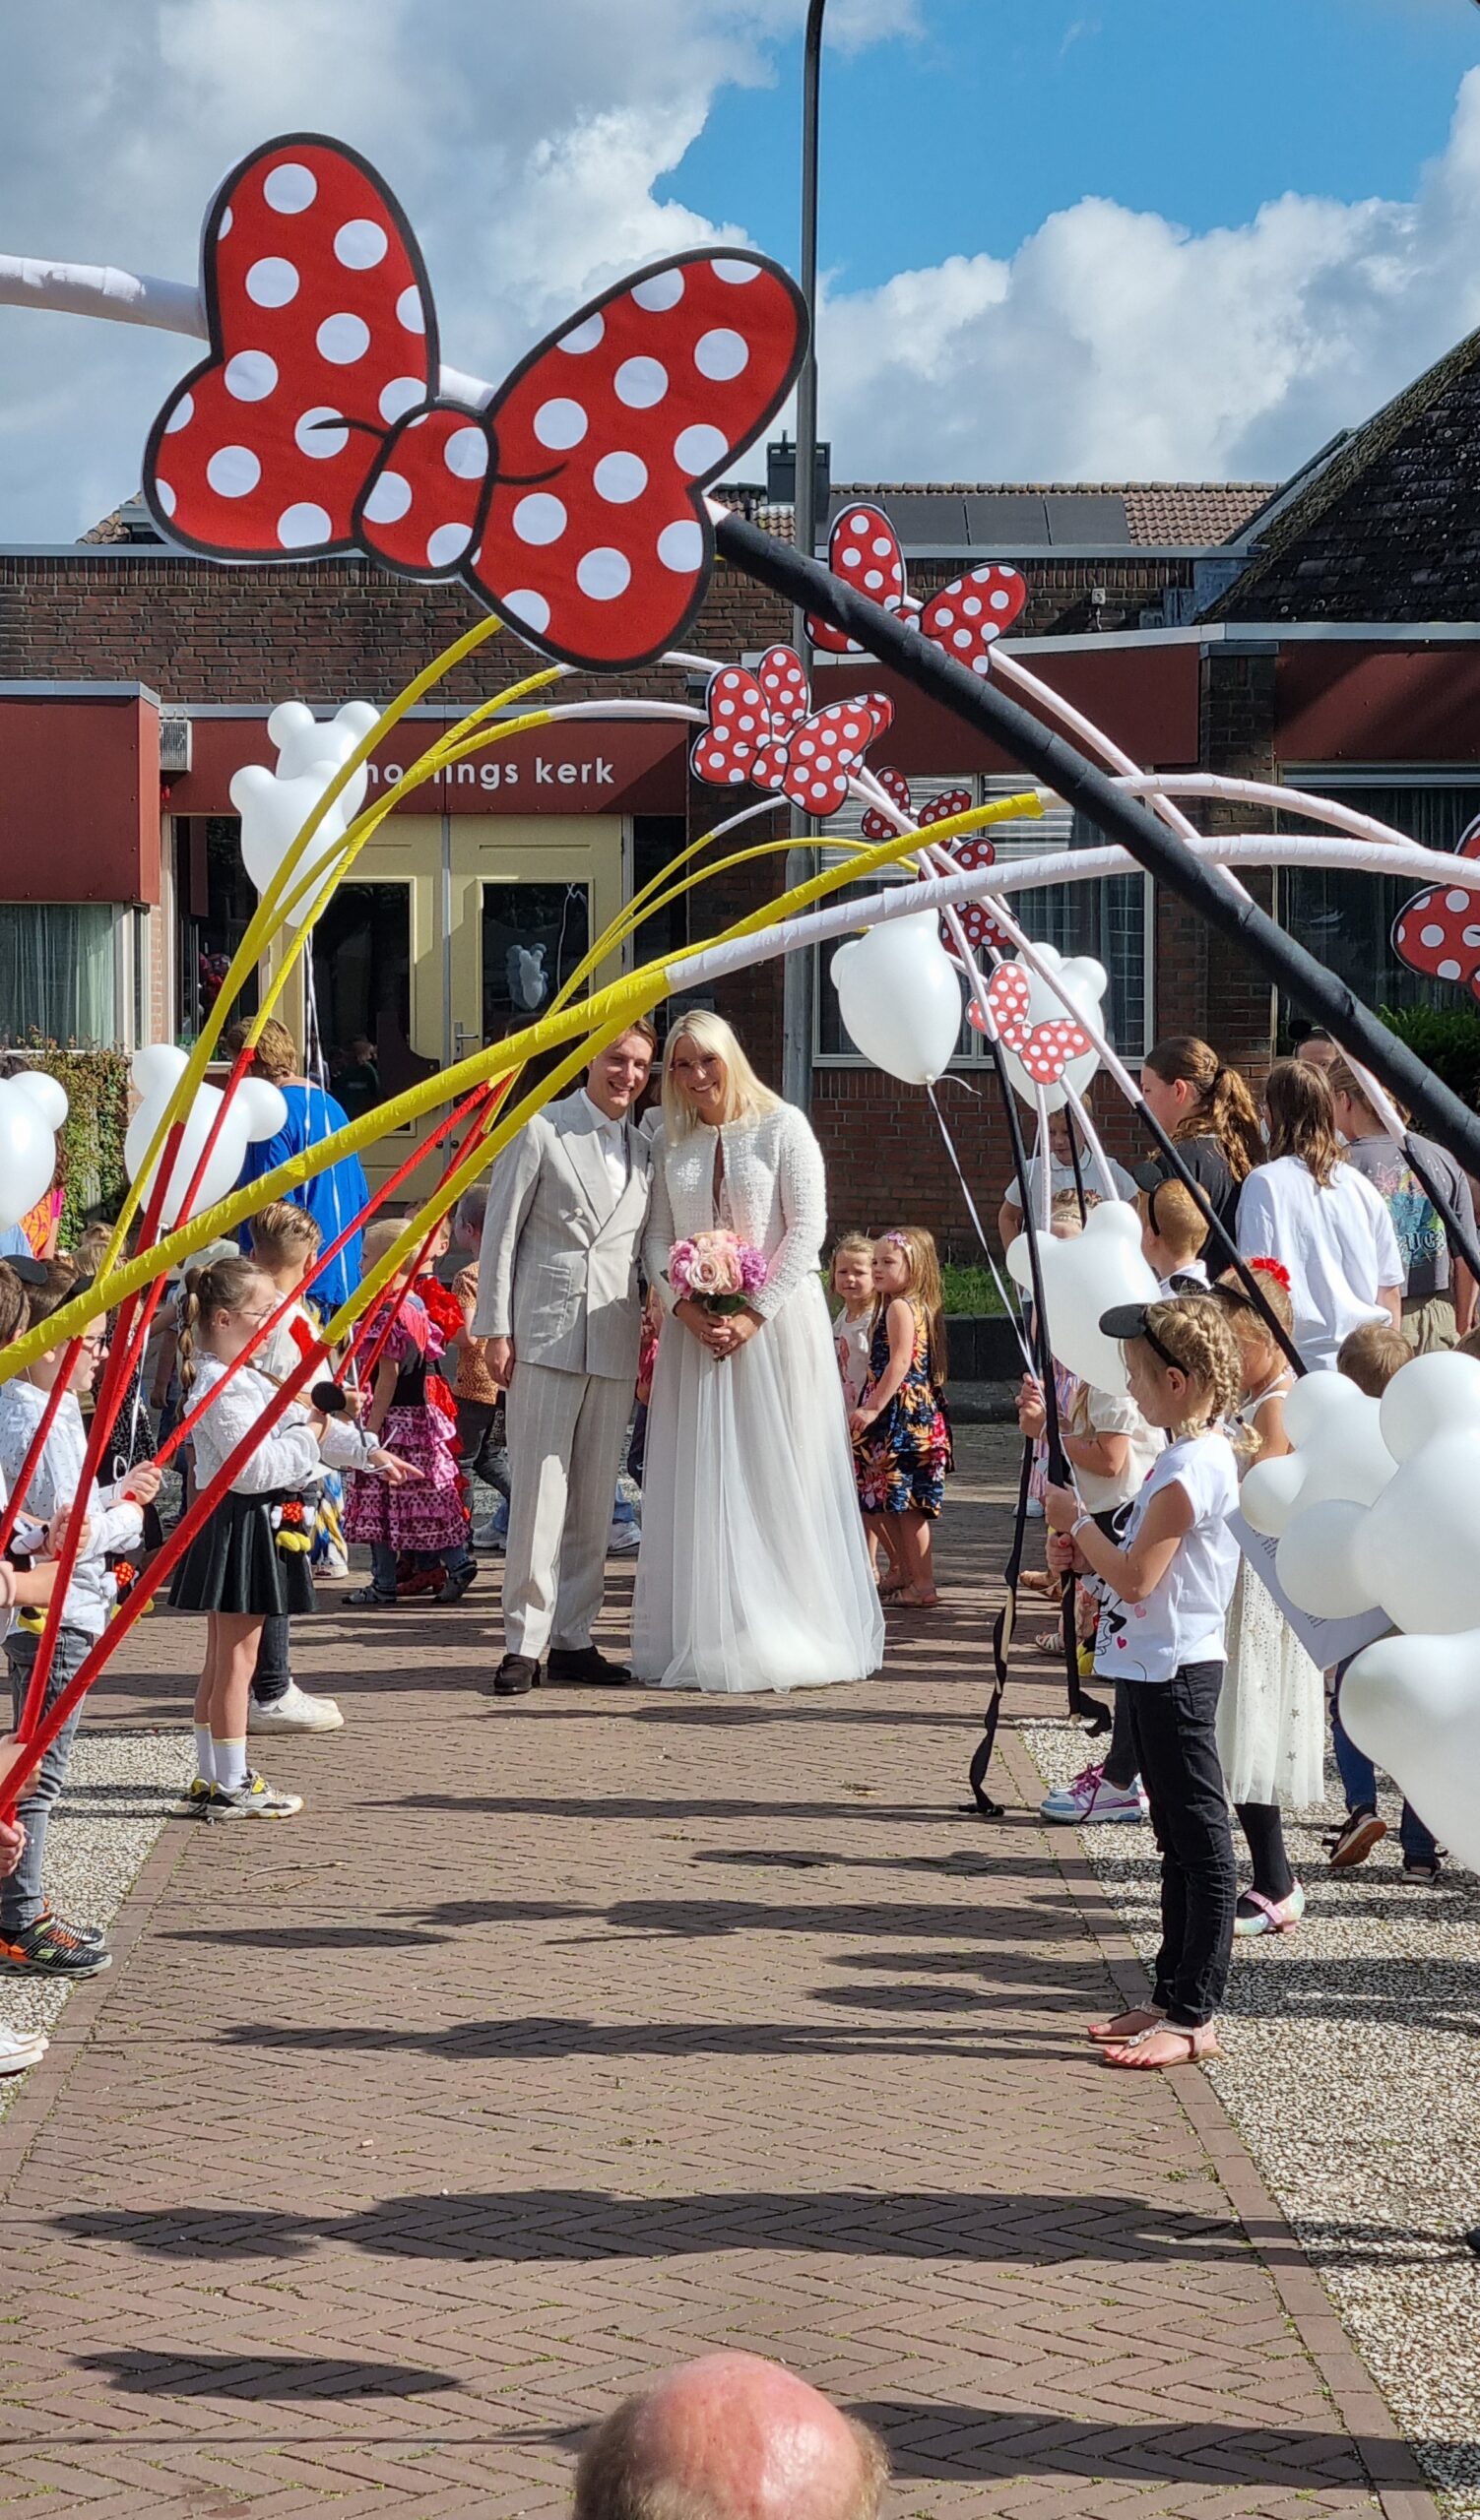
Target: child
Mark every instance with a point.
(482, 1447)
(1111, 1449)
(1065, 1219)
(286, 1243)
(414, 1574)
(1162, 1635)
(237, 1568)
(1272, 1713)
(1173, 1231)
(430, 1520)
(1369, 1356)
(902, 1466)
(853, 1324)
(30, 1936)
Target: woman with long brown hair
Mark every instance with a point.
(1315, 1212)
(1208, 1114)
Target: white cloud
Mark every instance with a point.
(528, 147)
(1117, 346)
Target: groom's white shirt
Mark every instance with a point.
(557, 1272)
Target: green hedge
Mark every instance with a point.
(1447, 1039)
(97, 1086)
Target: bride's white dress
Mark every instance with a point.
(753, 1572)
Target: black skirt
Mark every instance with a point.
(235, 1562)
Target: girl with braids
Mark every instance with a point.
(1321, 1218)
(1209, 1114)
(248, 1562)
(1162, 1637)
(1271, 1712)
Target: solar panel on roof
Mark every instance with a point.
(1089, 516)
(1005, 517)
(930, 519)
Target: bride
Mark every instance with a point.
(753, 1573)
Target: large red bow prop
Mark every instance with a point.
(1438, 931)
(964, 618)
(762, 732)
(571, 503)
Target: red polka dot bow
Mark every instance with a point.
(1438, 932)
(571, 503)
(964, 618)
(936, 809)
(1045, 1050)
(763, 732)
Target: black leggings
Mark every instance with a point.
(1172, 1724)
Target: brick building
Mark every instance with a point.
(1323, 629)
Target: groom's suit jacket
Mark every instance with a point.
(557, 1271)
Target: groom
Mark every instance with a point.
(559, 1304)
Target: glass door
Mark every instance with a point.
(528, 898)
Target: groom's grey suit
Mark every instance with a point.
(557, 1274)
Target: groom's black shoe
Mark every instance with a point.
(516, 1675)
(585, 1665)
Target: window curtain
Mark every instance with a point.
(57, 972)
(1346, 920)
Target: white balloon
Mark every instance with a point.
(1315, 1403)
(256, 1111)
(1412, 1703)
(899, 994)
(1084, 1275)
(1350, 1460)
(1433, 1396)
(274, 805)
(1270, 1493)
(1320, 1560)
(1085, 982)
(1422, 1539)
(33, 1107)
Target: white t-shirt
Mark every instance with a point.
(1183, 1620)
(1186, 1275)
(853, 1340)
(1061, 1178)
(1112, 1413)
(1338, 1244)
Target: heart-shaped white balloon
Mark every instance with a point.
(1412, 1703)
(899, 994)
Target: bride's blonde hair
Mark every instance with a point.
(745, 1098)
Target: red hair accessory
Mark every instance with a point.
(1274, 1268)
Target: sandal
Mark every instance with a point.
(1049, 1640)
(1189, 2047)
(907, 1598)
(1125, 2025)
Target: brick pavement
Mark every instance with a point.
(562, 2040)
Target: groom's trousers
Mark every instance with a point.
(565, 1439)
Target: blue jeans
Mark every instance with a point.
(1359, 1784)
(21, 1897)
(274, 1671)
(383, 1561)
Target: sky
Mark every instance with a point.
(1061, 239)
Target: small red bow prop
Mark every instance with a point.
(978, 924)
(964, 618)
(763, 732)
(1438, 931)
(1045, 1050)
(571, 503)
(936, 809)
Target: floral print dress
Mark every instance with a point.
(904, 1456)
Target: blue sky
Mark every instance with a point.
(965, 137)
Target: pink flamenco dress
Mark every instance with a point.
(427, 1513)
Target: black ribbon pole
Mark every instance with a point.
(1162, 852)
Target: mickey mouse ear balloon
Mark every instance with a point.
(275, 804)
(33, 1107)
(256, 1111)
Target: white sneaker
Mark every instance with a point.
(21, 2048)
(296, 1711)
(1087, 1800)
(254, 1801)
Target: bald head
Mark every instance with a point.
(730, 2437)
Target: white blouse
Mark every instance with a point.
(775, 1192)
(289, 1454)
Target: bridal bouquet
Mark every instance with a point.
(715, 1270)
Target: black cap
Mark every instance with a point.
(1149, 1175)
(1125, 1321)
(32, 1272)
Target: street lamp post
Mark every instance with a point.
(798, 1013)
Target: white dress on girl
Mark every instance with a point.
(1271, 1707)
(753, 1572)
